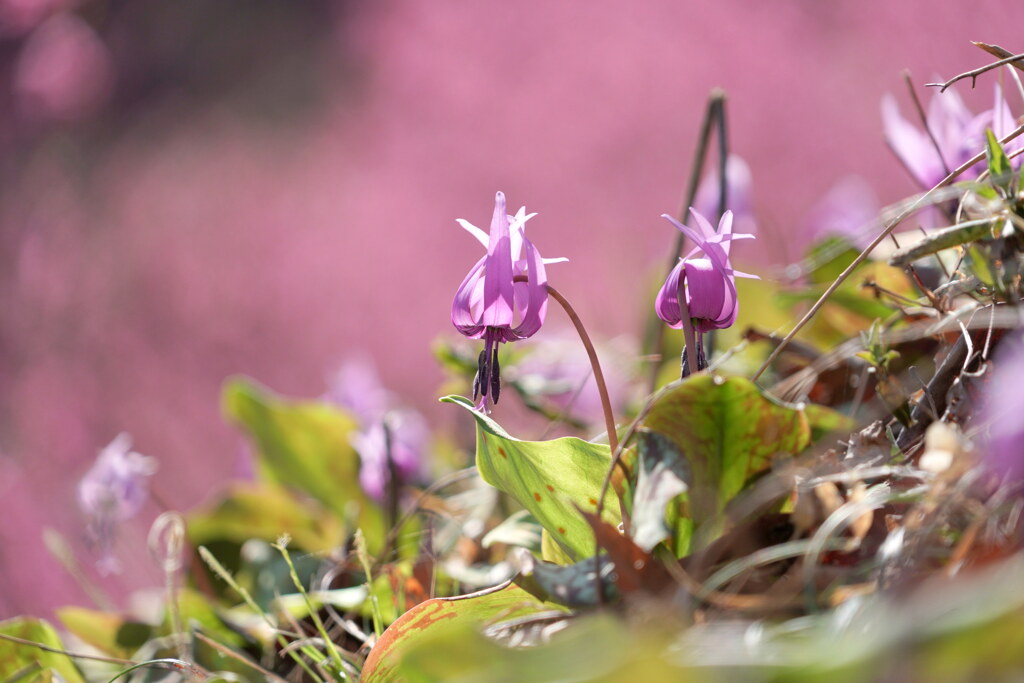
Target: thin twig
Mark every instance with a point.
(924, 120)
(973, 74)
(871, 247)
(228, 652)
(73, 655)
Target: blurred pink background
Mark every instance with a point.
(192, 190)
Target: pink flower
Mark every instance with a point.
(490, 304)
(708, 283)
(958, 135)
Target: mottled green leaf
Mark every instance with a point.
(306, 445)
(572, 585)
(500, 603)
(548, 478)
(17, 660)
(662, 474)
(728, 432)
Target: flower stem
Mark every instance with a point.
(689, 335)
(595, 364)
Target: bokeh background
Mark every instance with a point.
(190, 190)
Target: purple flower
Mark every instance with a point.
(738, 183)
(557, 369)
(388, 437)
(708, 283)
(1003, 404)
(490, 304)
(395, 440)
(849, 209)
(113, 490)
(958, 135)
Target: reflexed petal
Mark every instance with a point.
(911, 145)
(476, 232)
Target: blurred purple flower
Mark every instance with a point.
(399, 437)
(357, 387)
(708, 283)
(387, 437)
(490, 305)
(1003, 404)
(849, 209)
(64, 71)
(559, 370)
(113, 490)
(958, 135)
(18, 17)
(738, 184)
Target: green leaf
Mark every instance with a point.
(265, 511)
(112, 634)
(661, 476)
(572, 585)
(305, 444)
(829, 258)
(728, 432)
(423, 622)
(998, 163)
(17, 659)
(548, 478)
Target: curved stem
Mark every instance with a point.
(602, 388)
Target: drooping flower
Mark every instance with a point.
(708, 283)
(390, 440)
(958, 135)
(114, 490)
(491, 304)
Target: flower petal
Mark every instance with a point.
(498, 292)
(666, 304)
(476, 232)
(537, 293)
(462, 310)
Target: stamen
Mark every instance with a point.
(495, 376)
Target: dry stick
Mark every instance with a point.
(973, 75)
(871, 247)
(228, 652)
(924, 121)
